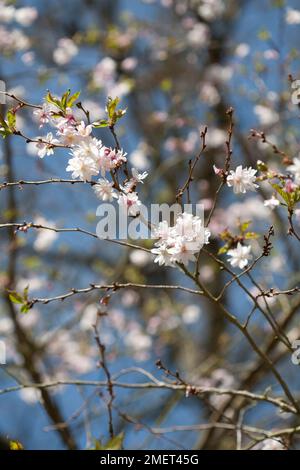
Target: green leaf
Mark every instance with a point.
(111, 106)
(50, 99)
(102, 123)
(285, 196)
(64, 99)
(115, 443)
(5, 130)
(25, 308)
(251, 236)
(72, 99)
(245, 225)
(264, 35)
(11, 119)
(112, 112)
(166, 84)
(223, 249)
(15, 297)
(15, 445)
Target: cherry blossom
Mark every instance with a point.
(292, 16)
(130, 202)
(240, 256)
(104, 190)
(272, 202)
(65, 51)
(242, 179)
(46, 147)
(179, 244)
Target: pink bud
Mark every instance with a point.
(218, 171)
(289, 186)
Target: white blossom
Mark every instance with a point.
(45, 146)
(292, 16)
(26, 16)
(139, 258)
(242, 179)
(199, 35)
(266, 115)
(191, 314)
(104, 190)
(82, 167)
(138, 177)
(86, 159)
(180, 243)
(65, 51)
(240, 256)
(271, 203)
(7, 12)
(211, 9)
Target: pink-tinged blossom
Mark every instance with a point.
(104, 190)
(240, 256)
(242, 179)
(105, 72)
(44, 115)
(290, 186)
(26, 16)
(109, 159)
(82, 168)
(68, 119)
(65, 51)
(73, 135)
(183, 251)
(218, 171)
(180, 243)
(130, 202)
(46, 147)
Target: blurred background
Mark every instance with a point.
(177, 65)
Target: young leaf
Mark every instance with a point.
(72, 99)
(11, 119)
(102, 123)
(15, 298)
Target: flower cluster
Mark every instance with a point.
(180, 244)
(89, 156)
